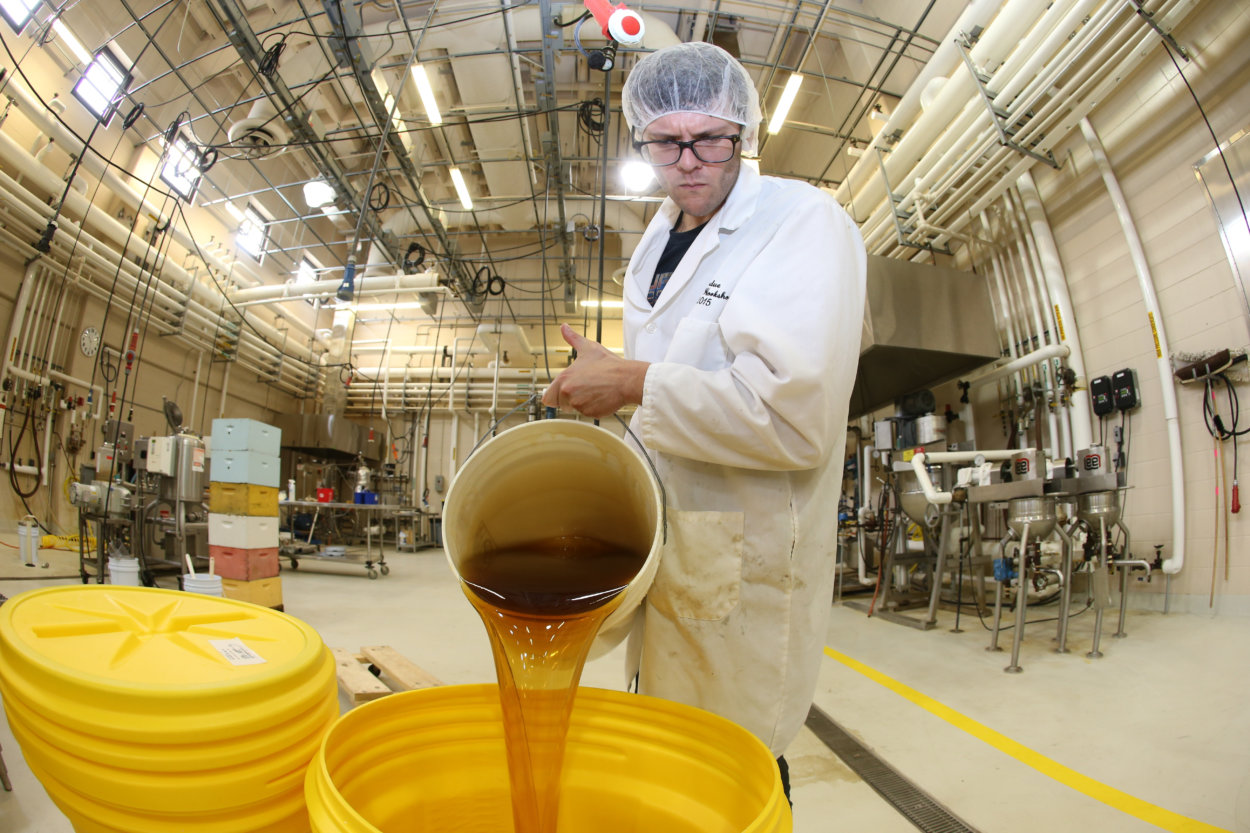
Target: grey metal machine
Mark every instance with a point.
(145, 498)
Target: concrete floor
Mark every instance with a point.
(1153, 736)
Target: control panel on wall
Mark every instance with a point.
(1124, 390)
(1100, 393)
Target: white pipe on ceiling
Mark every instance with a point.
(34, 111)
(944, 61)
(423, 282)
(1093, 77)
(1000, 36)
(133, 248)
(128, 275)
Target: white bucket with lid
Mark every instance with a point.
(28, 537)
(124, 571)
(555, 478)
(208, 585)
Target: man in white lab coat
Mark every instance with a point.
(743, 311)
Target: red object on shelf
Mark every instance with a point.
(325, 495)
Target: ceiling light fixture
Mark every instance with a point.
(71, 41)
(604, 304)
(318, 192)
(427, 94)
(637, 176)
(462, 190)
(783, 106)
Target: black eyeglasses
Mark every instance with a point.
(660, 153)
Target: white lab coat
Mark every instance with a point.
(754, 345)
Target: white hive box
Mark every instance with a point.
(245, 532)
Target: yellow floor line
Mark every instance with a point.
(1122, 801)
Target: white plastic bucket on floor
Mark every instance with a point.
(28, 540)
(124, 572)
(201, 583)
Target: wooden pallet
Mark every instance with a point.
(378, 671)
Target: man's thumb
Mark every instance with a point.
(575, 339)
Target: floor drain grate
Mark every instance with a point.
(913, 803)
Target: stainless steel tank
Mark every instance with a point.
(188, 480)
(1095, 506)
(1038, 513)
(911, 497)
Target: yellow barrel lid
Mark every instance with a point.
(109, 650)
(190, 754)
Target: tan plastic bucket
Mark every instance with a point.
(143, 710)
(432, 761)
(557, 478)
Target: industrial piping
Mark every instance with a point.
(1167, 390)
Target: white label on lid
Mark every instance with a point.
(236, 653)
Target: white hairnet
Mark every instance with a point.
(692, 77)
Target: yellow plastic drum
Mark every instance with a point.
(153, 711)
(432, 761)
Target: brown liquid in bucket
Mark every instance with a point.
(542, 605)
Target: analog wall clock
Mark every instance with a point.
(89, 341)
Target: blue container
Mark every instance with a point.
(252, 467)
(246, 435)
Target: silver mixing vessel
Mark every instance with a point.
(1037, 512)
(1095, 506)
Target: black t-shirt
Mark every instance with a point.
(674, 250)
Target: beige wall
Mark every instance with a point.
(165, 368)
(1154, 135)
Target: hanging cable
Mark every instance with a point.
(1232, 181)
(269, 64)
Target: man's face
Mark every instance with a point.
(699, 188)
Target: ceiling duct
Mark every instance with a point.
(260, 134)
(923, 325)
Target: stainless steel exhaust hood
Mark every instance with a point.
(330, 436)
(923, 325)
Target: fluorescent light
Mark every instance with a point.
(318, 192)
(397, 120)
(71, 42)
(783, 106)
(462, 190)
(234, 211)
(427, 94)
(637, 175)
(604, 304)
